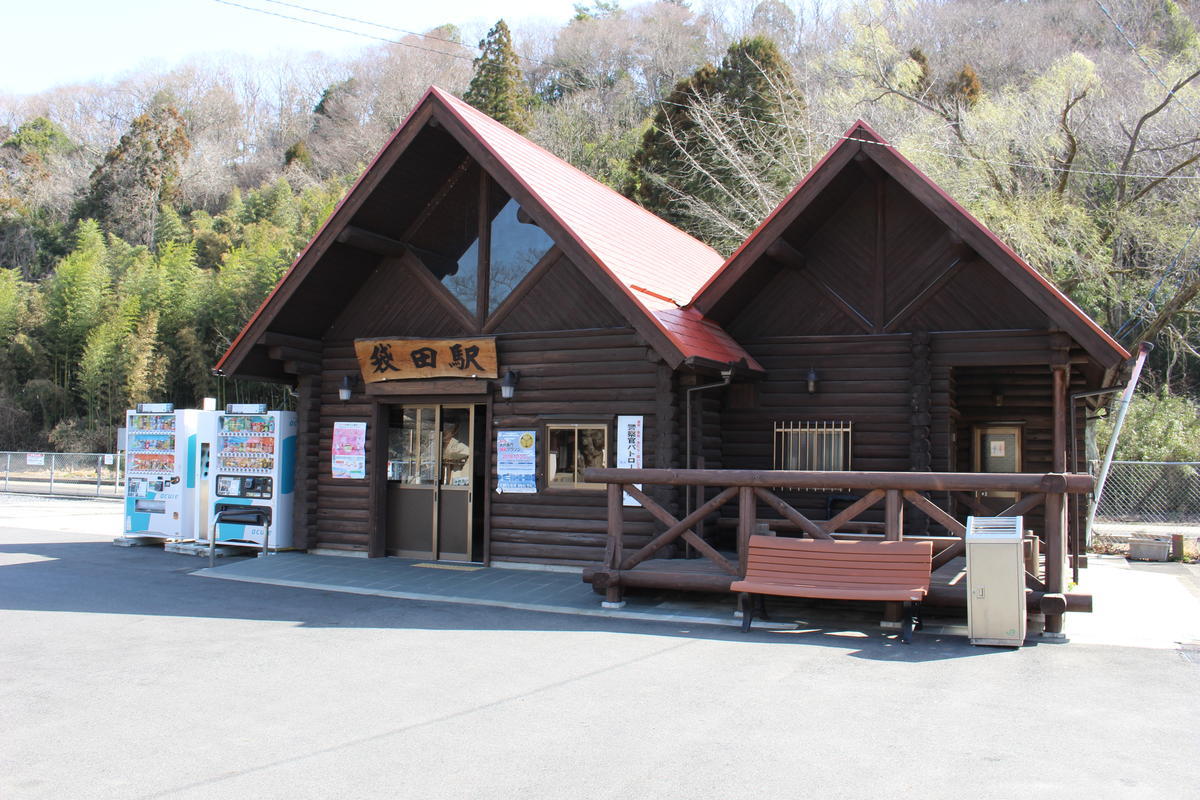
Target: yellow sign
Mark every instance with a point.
(408, 359)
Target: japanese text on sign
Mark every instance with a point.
(516, 462)
(406, 359)
(630, 433)
(349, 451)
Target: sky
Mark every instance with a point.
(50, 43)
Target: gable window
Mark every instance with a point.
(517, 245)
(479, 257)
(573, 448)
(821, 446)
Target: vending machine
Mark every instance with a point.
(253, 468)
(165, 453)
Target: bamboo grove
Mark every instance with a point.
(142, 221)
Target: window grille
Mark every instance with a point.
(823, 446)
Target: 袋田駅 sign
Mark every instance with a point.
(406, 359)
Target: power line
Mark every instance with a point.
(1132, 46)
(728, 115)
(733, 115)
(362, 34)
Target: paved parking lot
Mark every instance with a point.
(124, 675)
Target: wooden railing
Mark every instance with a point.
(895, 490)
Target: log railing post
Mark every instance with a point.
(747, 518)
(1056, 505)
(613, 554)
(893, 530)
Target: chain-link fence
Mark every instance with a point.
(75, 474)
(1151, 491)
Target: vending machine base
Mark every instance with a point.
(139, 540)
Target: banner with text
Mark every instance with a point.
(408, 359)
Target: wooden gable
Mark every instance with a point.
(867, 244)
(873, 260)
(392, 219)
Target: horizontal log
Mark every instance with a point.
(597, 525)
(271, 339)
(1074, 483)
(282, 353)
(956, 596)
(569, 539)
(681, 581)
(593, 555)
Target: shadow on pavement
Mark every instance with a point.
(96, 577)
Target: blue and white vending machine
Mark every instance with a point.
(165, 453)
(253, 469)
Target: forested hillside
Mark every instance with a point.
(142, 222)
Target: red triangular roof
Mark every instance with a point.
(653, 266)
(1059, 308)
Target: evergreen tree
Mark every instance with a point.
(694, 152)
(498, 87)
(139, 175)
(39, 135)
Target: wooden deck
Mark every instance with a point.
(947, 588)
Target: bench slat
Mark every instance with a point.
(831, 592)
(893, 578)
(839, 564)
(840, 546)
(885, 571)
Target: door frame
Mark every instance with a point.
(381, 406)
(978, 431)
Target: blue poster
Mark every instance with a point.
(516, 462)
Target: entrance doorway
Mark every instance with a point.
(997, 448)
(433, 480)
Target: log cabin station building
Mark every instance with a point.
(871, 363)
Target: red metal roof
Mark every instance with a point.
(660, 266)
(657, 265)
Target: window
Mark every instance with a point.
(450, 236)
(518, 244)
(447, 239)
(823, 446)
(573, 448)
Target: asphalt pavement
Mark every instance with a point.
(125, 675)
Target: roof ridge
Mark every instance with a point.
(464, 107)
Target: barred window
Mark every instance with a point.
(823, 446)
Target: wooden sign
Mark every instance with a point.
(408, 359)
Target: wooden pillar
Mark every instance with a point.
(308, 431)
(1056, 504)
(894, 516)
(377, 448)
(747, 518)
(614, 553)
(893, 531)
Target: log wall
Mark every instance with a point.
(575, 376)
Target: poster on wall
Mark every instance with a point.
(516, 462)
(629, 448)
(350, 450)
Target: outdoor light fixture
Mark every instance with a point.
(812, 380)
(508, 384)
(346, 389)
(998, 395)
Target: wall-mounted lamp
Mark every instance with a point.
(508, 384)
(346, 389)
(812, 380)
(998, 395)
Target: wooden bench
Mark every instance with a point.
(836, 570)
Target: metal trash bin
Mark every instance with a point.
(995, 581)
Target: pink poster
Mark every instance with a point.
(350, 450)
